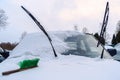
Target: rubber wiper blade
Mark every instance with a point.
(105, 22)
(104, 25)
(41, 27)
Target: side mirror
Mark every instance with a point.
(112, 51)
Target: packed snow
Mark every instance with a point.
(63, 67)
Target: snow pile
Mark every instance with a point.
(37, 44)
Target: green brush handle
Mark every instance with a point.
(17, 70)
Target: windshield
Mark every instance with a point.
(84, 45)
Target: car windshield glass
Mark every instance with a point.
(84, 45)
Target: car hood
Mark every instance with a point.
(65, 68)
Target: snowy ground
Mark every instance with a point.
(61, 68)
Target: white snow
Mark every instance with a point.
(37, 44)
(108, 47)
(61, 68)
(117, 46)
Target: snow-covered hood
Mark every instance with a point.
(61, 68)
(66, 68)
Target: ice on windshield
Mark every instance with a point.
(84, 45)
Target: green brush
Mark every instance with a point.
(28, 63)
(24, 65)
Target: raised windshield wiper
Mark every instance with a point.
(104, 25)
(41, 27)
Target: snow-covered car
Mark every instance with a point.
(78, 58)
(3, 54)
(111, 50)
(117, 47)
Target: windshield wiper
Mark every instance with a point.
(41, 27)
(104, 25)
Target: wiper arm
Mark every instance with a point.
(41, 27)
(104, 25)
